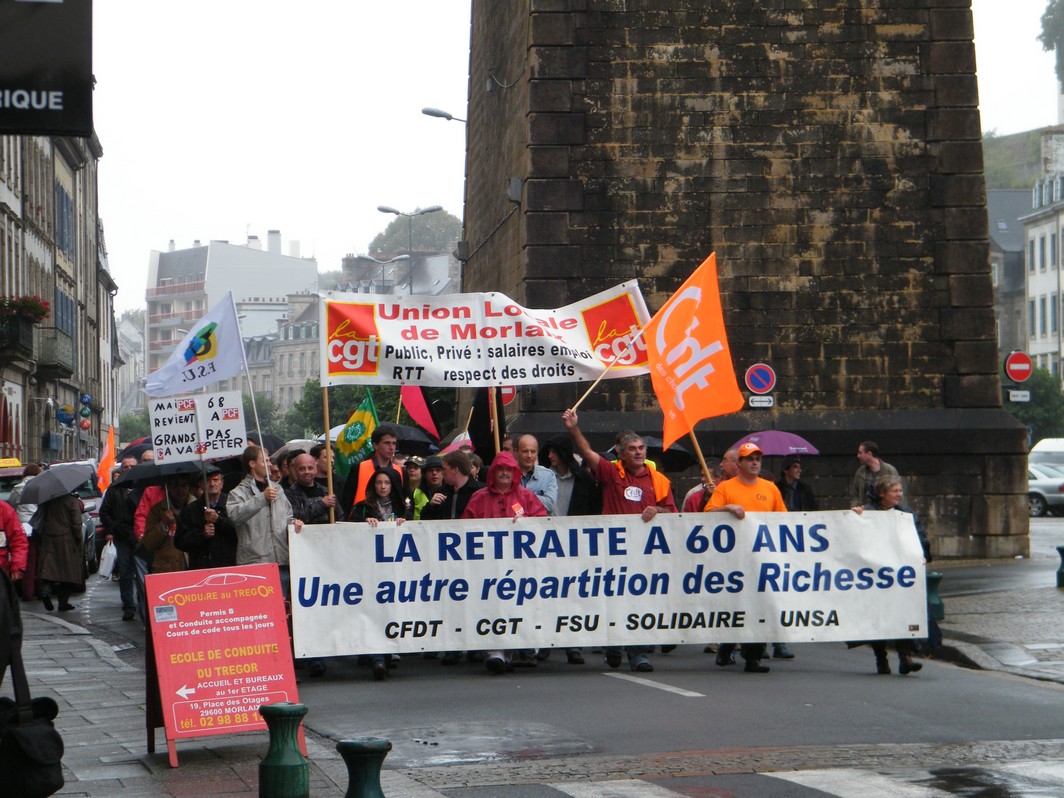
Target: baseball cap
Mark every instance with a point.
(414, 461)
(433, 462)
(748, 449)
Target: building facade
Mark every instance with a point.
(58, 389)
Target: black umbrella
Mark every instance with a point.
(270, 442)
(675, 458)
(153, 473)
(134, 449)
(411, 440)
(59, 480)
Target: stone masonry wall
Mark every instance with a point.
(829, 153)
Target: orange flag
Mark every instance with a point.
(107, 462)
(690, 362)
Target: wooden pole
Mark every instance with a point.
(706, 476)
(494, 416)
(602, 376)
(328, 451)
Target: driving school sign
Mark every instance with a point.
(480, 340)
(221, 647)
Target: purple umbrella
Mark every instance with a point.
(777, 442)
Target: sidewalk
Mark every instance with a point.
(101, 701)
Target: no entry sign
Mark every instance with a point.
(507, 394)
(760, 378)
(1018, 366)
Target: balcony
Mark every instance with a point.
(16, 338)
(175, 289)
(55, 357)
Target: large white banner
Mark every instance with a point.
(479, 340)
(606, 580)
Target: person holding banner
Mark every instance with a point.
(504, 497)
(889, 497)
(310, 501)
(628, 486)
(384, 439)
(384, 501)
(746, 492)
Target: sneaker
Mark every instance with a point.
(640, 663)
(613, 659)
(755, 667)
(780, 651)
(574, 657)
(495, 664)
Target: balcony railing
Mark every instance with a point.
(55, 356)
(16, 337)
(183, 315)
(173, 289)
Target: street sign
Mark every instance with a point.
(507, 393)
(1018, 366)
(1019, 396)
(762, 401)
(760, 378)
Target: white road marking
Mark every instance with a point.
(630, 788)
(857, 784)
(668, 688)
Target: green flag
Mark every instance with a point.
(354, 444)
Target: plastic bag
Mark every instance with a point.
(107, 560)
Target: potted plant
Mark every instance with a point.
(28, 307)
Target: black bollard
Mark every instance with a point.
(364, 757)
(284, 772)
(934, 600)
(1060, 570)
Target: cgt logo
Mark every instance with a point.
(611, 327)
(352, 342)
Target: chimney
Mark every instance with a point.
(254, 243)
(196, 243)
(273, 242)
(172, 247)
(293, 249)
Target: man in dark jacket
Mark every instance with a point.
(577, 492)
(204, 530)
(116, 517)
(310, 501)
(797, 496)
(458, 486)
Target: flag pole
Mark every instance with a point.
(398, 407)
(328, 451)
(706, 476)
(493, 414)
(602, 376)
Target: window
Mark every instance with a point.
(1041, 253)
(1030, 318)
(1030, 255)
(1053, 250)
(1042, 316)
(1053, 315)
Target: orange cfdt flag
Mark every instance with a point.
(107, 462)
(690, 362)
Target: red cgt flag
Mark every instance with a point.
(690, 362)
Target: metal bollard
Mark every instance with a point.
(1060, 570)
(284, 772)
(934, 600)
(364, 757)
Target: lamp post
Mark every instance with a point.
(383, 263)
(436, 112)
(410, 234)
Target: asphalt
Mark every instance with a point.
(95, 673)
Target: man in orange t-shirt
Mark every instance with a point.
(746, 492)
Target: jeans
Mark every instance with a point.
(124, 569)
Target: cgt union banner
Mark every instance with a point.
(606, 580)
(479, 340)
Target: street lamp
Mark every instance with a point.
(410, 234)
(382, 264)
(436, 112)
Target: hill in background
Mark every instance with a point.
(1012, 161)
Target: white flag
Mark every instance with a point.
(212, 350)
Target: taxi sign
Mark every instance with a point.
(10, 462)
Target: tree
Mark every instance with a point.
(1044, 414)
(1052, 35)
(433, 232)
(269, 415)
(134, 425)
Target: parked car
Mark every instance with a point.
(10, 476)
(1045, 489)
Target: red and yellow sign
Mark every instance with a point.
(221, 648)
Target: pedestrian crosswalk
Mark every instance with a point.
(1021, 778)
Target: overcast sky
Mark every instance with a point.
(223, 119)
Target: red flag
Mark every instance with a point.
(690, 362)
(413, 399)
(107, 462)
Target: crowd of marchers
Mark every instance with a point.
(193, 522)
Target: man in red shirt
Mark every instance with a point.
(628, 486)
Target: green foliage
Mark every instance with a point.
(1012, 161)
(134, 425)
(327, 281)
(1052, 35)
(1044, 414)
(433, 232)
(269, 416)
